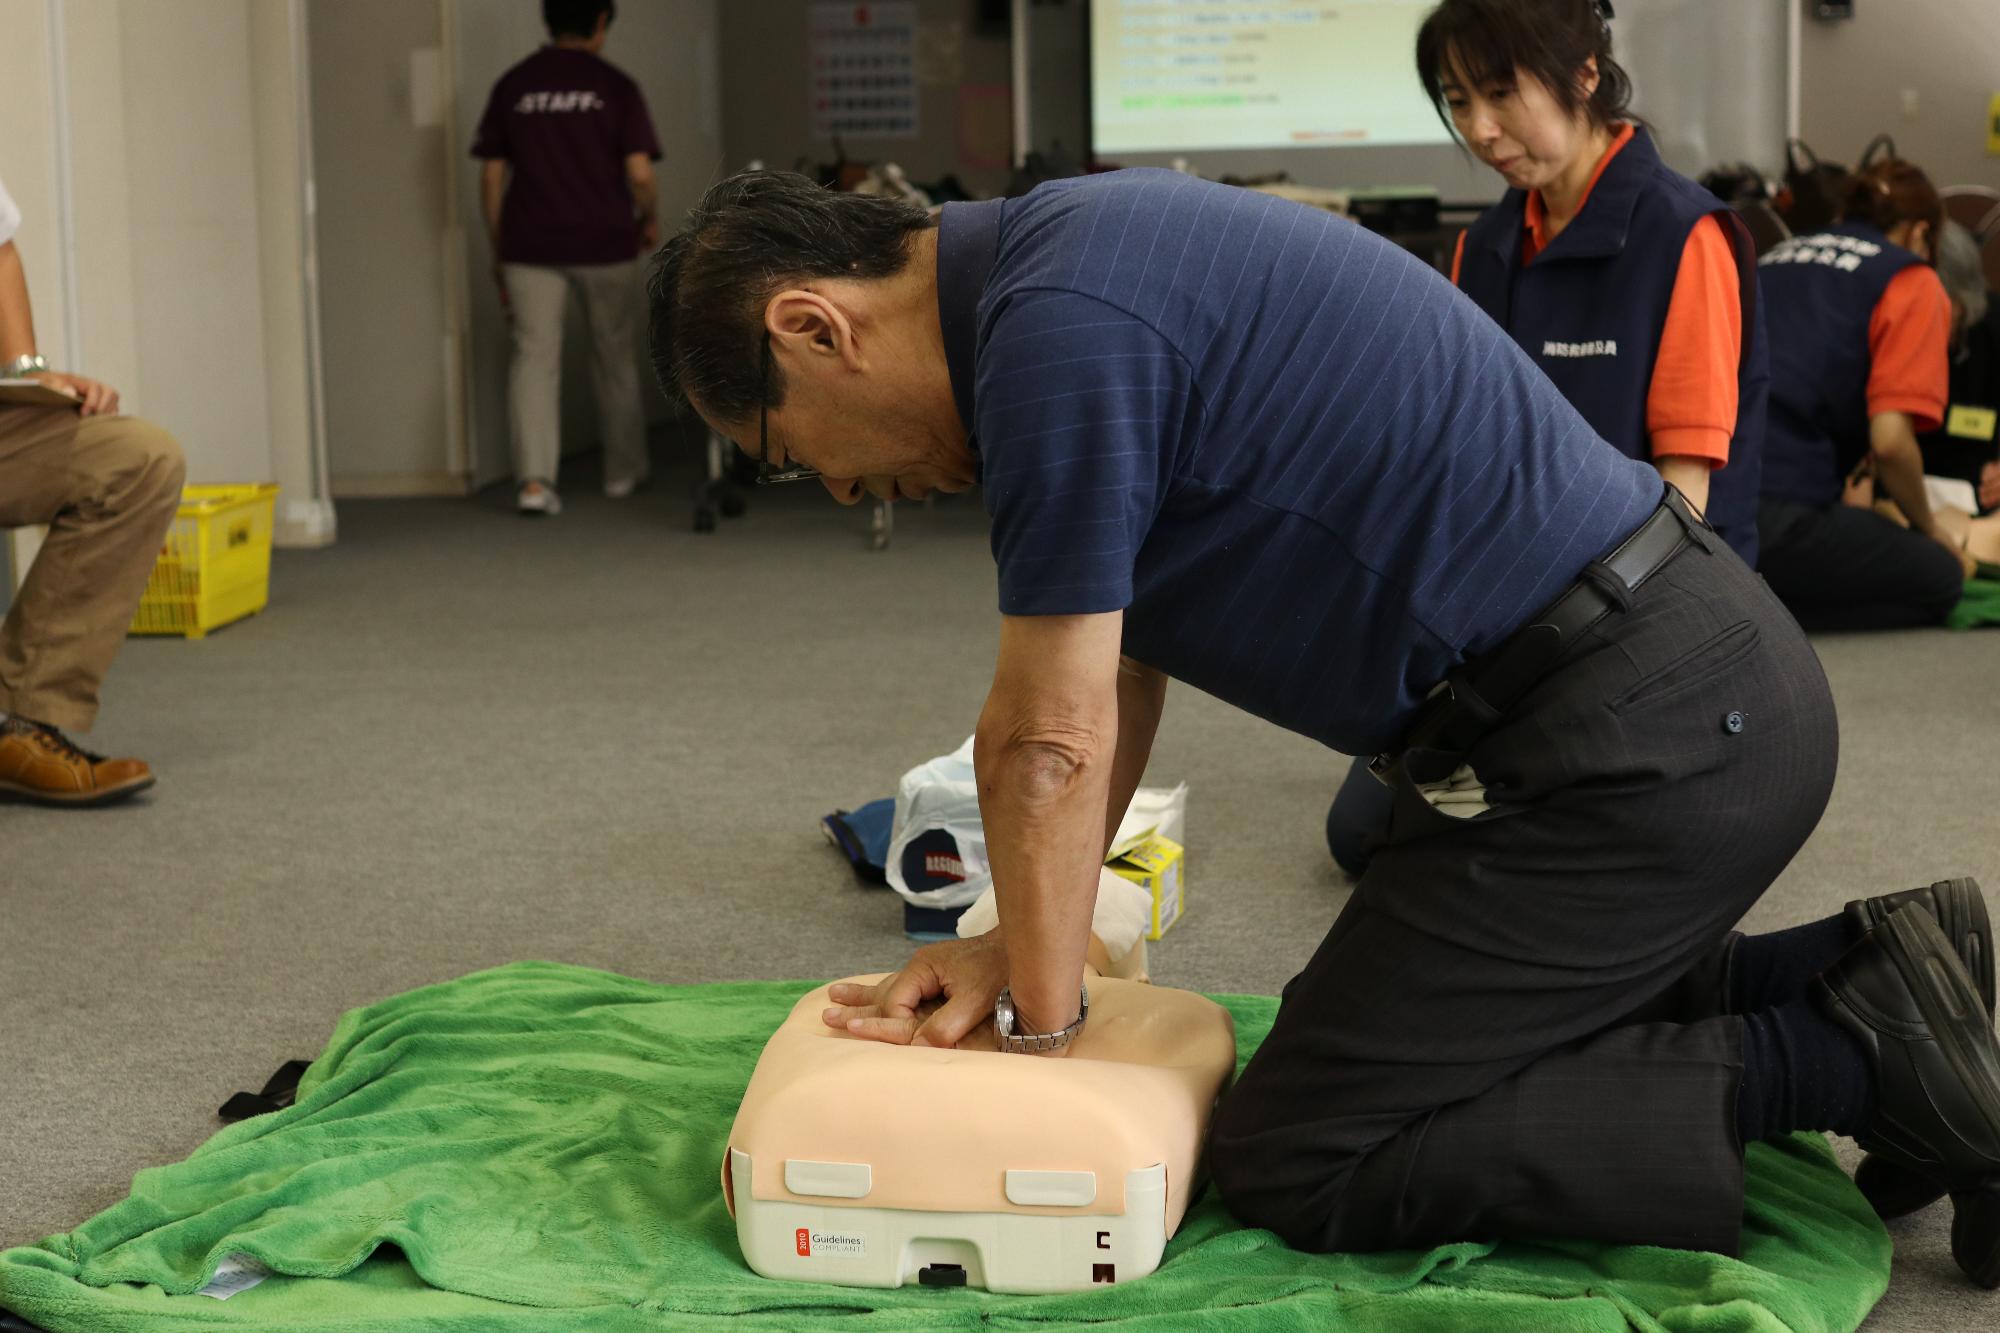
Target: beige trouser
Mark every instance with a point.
(108, 488)
(534, 382)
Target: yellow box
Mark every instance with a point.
(1157, 865)
(215, 565)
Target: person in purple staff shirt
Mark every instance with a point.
(568, 194)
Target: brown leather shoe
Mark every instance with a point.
(40, 764)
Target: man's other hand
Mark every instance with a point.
(943, 995)
(97, 398)
(1989, 486)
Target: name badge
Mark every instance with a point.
(1971, 423)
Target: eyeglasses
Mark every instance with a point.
(765, 476)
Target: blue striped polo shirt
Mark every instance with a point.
(1312, 474)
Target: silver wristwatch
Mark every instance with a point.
(1033, 1043)
(28, 363)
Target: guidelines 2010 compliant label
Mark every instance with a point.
(829, 1244)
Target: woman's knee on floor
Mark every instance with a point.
(1938, 580)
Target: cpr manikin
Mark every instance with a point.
(867, 1164)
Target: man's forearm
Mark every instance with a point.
(17, 317)
(1042, 800)
(1142, 694)
(646, 198)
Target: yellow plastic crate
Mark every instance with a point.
(215, 566)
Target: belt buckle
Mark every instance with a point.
(1383, 766)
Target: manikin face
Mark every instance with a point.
(1515, 124)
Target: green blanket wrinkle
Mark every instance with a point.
(537, 1147)
(1979, 604)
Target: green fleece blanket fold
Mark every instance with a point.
(1980, 603)
(537, 1147)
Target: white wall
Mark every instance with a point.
(181, 228)
(386, 327)
(1856, 71)
(1709, 75)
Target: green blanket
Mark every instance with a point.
(537, 1147)
(1980, 603)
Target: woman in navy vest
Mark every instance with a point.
(1859, 330)
(1632, 288)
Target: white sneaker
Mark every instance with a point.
(535, 498)
(622, 489)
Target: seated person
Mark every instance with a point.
(108, 487)
(1859, 326)
(1967, 446)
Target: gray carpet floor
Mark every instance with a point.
(458, 738)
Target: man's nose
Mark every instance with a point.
(847, 490)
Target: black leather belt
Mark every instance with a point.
(1475, 696)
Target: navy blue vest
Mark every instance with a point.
(1820, 292)
(1591, 307)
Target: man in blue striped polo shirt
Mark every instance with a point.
(1232, 441)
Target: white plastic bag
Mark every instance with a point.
(937, 848)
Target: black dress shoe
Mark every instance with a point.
(1960, 909)
(1904, 993)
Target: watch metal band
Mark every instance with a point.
(29, 363)
(1034, 1043)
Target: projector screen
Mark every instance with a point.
(1194, 75)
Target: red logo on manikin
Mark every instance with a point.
(805, 1242)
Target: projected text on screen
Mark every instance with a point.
(1181, 75)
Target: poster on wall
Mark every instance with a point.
(863, 66)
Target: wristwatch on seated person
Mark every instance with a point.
(1033, 1043)
(28, 363)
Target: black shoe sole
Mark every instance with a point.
(1960, 909)
(1975, 1231)
(1950, 1001)
(1957, 1029)
(1892, 1189)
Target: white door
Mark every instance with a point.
(384, 145)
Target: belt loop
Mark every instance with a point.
(1605, 579)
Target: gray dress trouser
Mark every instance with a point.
(1515, 1027)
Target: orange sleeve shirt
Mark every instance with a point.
(1909, 336)
(1691, 399)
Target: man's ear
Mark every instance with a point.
(808, 326)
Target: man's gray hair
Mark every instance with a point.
(750, 237)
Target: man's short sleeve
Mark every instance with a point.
(1081, 411)
(491, 139)
(636, 135)
(10, 216)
